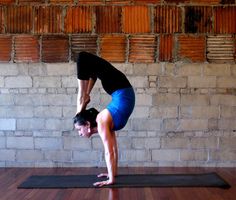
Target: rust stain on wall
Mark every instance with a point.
(168, 19)
(220, 48)
(198, 19)
(83, 43)
(113, 47)
(142, 48)
(52, 51)
(48, 19)
(78, 19)
(192, 48)
(224, 18)
(26, 48)
(19, 19)
(136, 19)
(5, 48)
(108, 19)
(166, 48)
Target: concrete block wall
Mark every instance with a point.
(178, 54)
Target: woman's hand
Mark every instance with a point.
(83, 101)
(102, 183)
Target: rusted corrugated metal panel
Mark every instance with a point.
(1, 20)
(91, 2)
(48, 19)
(112, 47)
(146, 1)
(19, 19)
(108, 19)
(206, 2)
(198, 19)
(5, 2)
(227, 2)
(83, 43)
(224, 18)
(166, 48)
(5, 48)
(142, 49)
(78, 19)
(118, 2)
(192, 48)
(26, 48)
(220, 48)
(55, 48)
(168, 19)
(136, 19)
(61, 1)
(176, 1)
(31, 1)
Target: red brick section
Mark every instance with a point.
(146, 1)
(224, 18)
(1, 20)
(61, 1)
(136, 19)
(26, 48)
(142, 48)
(6, 2)
(205, 2)
(112, 47)
(19, 19)
(198, 19)
(83, 43)
(118, 2)
(166, 48)
(31, 1)
(5, 48)
(91, 2)
(48, 19)
(192, 48)
(78, 19)
(176, 1)
(55, 48)
(108, 19)
(168, 19)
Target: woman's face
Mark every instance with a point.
(83, 130)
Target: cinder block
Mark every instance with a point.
(30, 124)
(204, 143)
(87, 156)
(135, 155)
(139, 81)
(194, 100)
(18, 82)
(7, 155)
(202, 82)
(145, 124)
(47, 82)
(20, 142)
(164, 112)
(189, 69)
(8, 124)
(47, 111)
(48, 143)
(58, 155)
(146, 143)
(172, 82)
(193, 124)
(217, 70)
(175, 143)
(226, 82)
(77, 143)
(140, 112)
(61, 69)
(227, 124)
(16, 111)
(1, 82)
(69, 82)
(165, 155)
(154, 69)
(222, 155)
(170, 124)
(202, 112)
(29, 155)
(10, 70)
(220, 99)
(228, 112)
(143, 100)
(190, 155)
(2, 142)
(6, 99)
(166, 99)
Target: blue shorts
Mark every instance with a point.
(121, 107)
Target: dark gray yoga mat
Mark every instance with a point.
(137, 180)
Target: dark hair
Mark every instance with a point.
(86, 115)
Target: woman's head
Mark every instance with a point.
(85, 121)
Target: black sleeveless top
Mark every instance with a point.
(91, 66)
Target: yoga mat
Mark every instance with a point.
(137, 180)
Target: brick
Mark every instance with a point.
(220, 24)
(198, 19)
(217, 70)
(136, 19)
(226, 82)
(192, 48)
(112, 48)
(166, 99)
(80, 43)
(48, 143)
(145, 124)
(166, 48)
(194, 100)
(168, 19)
(20, 142)
(5, 48)
(8, 124)
(29, 155)
(7, 155)
(26, 48)
(220, 48)
(76, 143)
(202, 112)
(78, 19)
(165, 155)
(189, 70)
(142, 49)
(19, 19)
(48, 19)
(201, 82)
(172, 82)
(108, 19)
(228, 100)
(30, 124)
(51, 52)
(199, 155)
(18, 82)
(193, 124)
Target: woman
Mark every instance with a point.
(114, 117)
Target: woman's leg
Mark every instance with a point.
(82, 97)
